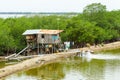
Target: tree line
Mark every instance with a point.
(94, 25)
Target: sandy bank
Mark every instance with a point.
(110, 46)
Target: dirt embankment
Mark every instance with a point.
(34, 62)
(103, 47)
(46, 59)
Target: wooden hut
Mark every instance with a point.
(43, 40)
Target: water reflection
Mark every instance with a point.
(112, 72)
(76, 68)
(21, 77)
(50, 72)
(2, 64)
(7, 63)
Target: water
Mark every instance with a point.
(11, 15)
(102, 66)
(2, 64)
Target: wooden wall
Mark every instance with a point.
(48, 39)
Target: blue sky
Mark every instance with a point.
(53, 5)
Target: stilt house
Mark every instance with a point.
(42, 40)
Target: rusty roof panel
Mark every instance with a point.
(45, 31)
(41, 31)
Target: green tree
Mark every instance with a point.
(95, 12)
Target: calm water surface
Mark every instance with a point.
(97, 67)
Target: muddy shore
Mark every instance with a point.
(49, 58)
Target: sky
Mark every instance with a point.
(53, 5)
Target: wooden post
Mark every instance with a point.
(38, 48)
(52, 48)
(37, 44)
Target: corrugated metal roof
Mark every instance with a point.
(41, 31)
(28, 32)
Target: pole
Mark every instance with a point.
(38, 49)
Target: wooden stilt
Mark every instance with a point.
(38, 49)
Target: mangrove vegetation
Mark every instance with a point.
(95, 25)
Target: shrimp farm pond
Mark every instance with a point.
(100, 66)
